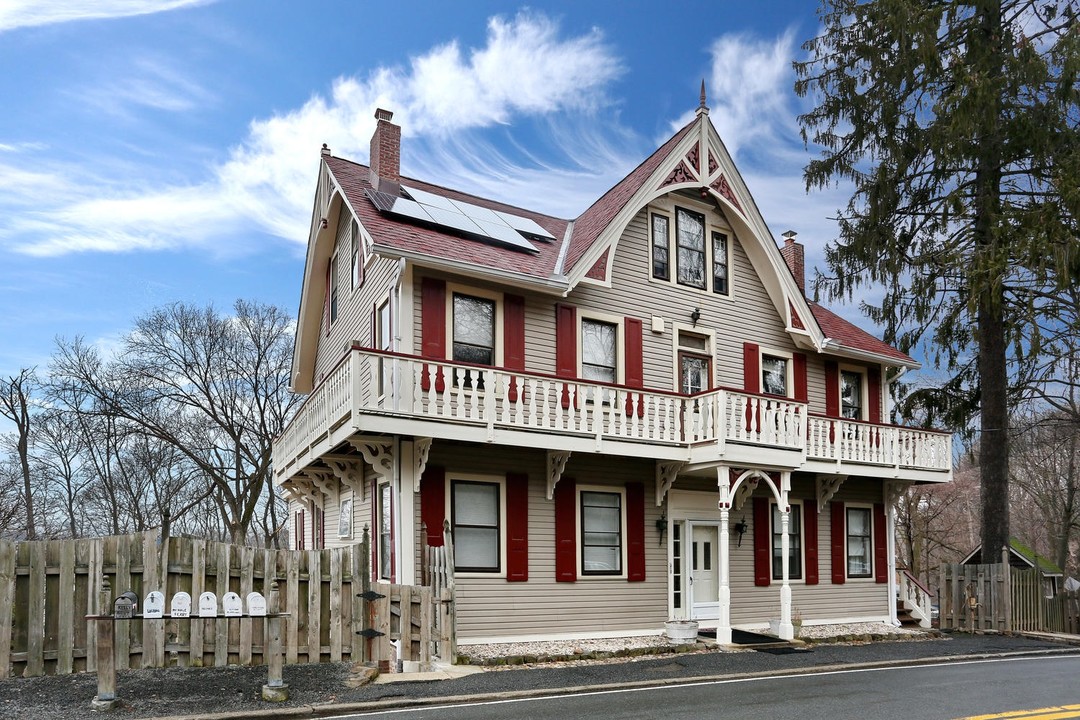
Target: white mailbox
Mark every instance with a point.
(181, 605)
(232, 605)
(256, 604)
(208, 605)
(153, 605)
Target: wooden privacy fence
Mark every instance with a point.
(47, 588)
(1002, 598)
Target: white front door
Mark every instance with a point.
(704, 570)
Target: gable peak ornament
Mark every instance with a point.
(703, 109)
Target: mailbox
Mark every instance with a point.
(181, 605)
(208, 605)
(232, 605)
(125, 606)
(153, 605)
(256, 605)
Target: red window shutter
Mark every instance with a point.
(837, 542)
(393, 538)
(566, 341)
(798, 364)
(566, 530)
(832, 389)
(635, 376)
(433, 318)
(433, 503)
(873, 390)
(514, 332)
(762, 543)
(517, 527)
(751, 368)
(811, 532)
(881, 562)
(374, 539)
(635, 532)
(300, 529)
(326, 301)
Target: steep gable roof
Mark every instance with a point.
(592, 222)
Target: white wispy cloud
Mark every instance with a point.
(443, 98)
(28, 13)
(145, 83)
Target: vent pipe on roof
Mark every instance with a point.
(385, 155)
(794, 256)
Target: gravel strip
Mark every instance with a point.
(541, 650)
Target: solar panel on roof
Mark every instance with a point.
(473, 220)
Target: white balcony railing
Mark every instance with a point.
(369, 383)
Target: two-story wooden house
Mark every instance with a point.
(626, 418)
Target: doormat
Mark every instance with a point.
(742, 637)
(783, 650)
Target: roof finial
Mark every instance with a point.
(703, 109)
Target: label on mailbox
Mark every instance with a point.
(208, 605)
(232, 605)
(153, 605)
(123, 609)
(256, 604)
(181, 605)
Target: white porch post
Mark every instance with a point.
(723, 625)
(787, 632)
(406, 481)
(890, 550)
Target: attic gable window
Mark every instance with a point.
(355, 266)
(333, 289)
(720, 263)
(690, 248)
(660, 247)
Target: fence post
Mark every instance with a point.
(275, 689)
(1006, 572)
(106, 660)
(451, 611)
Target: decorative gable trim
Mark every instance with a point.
(679, 175)
(721, 186)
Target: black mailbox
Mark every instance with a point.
(126, 606)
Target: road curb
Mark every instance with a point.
(320, 711)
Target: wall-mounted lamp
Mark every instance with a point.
(695, 316)
(740, 528)
(661, 527)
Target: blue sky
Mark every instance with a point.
(160, 151)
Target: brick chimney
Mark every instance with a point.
(793, 253)
(385, 155)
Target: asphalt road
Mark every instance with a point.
(958, 689)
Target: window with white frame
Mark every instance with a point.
(474, 329)
(695, 362)
(345, 512)
(661, 247)
(601, 515)
(384, 512)
(599, 350)
(851, 394)
(384, 340)
(860, 557)
(333, 289)
(690, 248)
(476, 518)
(795, 563)
(720, 263)
(355, 265)
(774, 374)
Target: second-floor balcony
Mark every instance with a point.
(373, 392)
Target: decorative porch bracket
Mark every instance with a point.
(349, 471)
(322, 480)
(665, 477)
(745, 490)
(302, 490)
(556, 463)
(378, 452)
(421, 450)
(827, 485)
(894, 489)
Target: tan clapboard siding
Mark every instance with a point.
(825, 601)
(492, 607)
(355, 306)
(749, 316)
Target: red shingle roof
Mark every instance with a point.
(851, 336)
(353, 179)
(592, 222)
